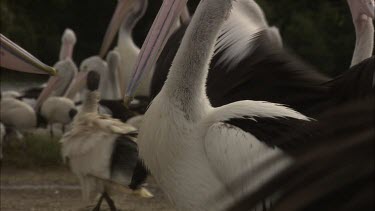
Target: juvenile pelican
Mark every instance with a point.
(102, 150)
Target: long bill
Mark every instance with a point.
(14, 57)
(113, 27)
(77, 84)
(154, 43)
(47, 91)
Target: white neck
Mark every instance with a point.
(66, 51)
(185, 84)
(128, 52)
(109, 88)
(90, 103)
(364, 44)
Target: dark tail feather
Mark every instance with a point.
(356, 83)
(334, 171)
(139, 177)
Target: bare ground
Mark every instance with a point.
(57, 190)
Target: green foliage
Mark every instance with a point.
(320, 31)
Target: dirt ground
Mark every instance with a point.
(58, 190)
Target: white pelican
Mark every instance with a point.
(58, 85)
(125, 17)
(192, 149)
(111, 102)
(334, 169)
(52, 106)
(15, 113)
(102, 150)
(258, 71)
(59, 109)
(68, 41)
(109, 87)
(110, 93)
(94, 63)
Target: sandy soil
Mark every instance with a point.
(58, 190)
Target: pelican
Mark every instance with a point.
(15, 113)
(95, 63)
(68, 41)
(58, 85)
(125, 17)
(53, 107)
(193, 149)
(108, 88)
(268, 72)
(110, 91)
(337, 159)
(102, 150)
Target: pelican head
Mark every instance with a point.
(68, 41)
(127, 10)
(14, 57)
(362, 9)
(94, 63)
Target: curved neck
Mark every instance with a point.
(131, 20)
(187, 77)
(90, 103)
(109, 88)
(66, 51)
(364, 44)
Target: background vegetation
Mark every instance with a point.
(320, 31)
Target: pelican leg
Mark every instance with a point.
(97, 207)
(110, 202)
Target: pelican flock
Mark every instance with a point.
(214, 107)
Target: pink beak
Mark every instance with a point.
(77, 84)
(51, 85)
(114, 25)
(16, 58)
(155, 41)
(362, 7)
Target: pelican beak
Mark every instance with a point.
(362, 8)
(155, 41)
(69, 40)
(77, 84)
(122, 7)
(16, 58)
(51, 85)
